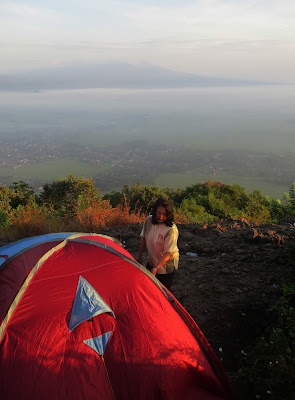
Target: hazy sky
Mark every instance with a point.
(227, 38)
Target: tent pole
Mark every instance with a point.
(105, 367)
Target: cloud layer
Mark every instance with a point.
(230, 38)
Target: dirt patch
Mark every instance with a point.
(235, 273)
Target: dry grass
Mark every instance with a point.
(101, 214)
(31, 221)
(38, 220)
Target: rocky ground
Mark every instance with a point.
(229, 283)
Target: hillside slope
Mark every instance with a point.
(229, 287)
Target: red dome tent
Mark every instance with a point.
(16, 261)
(89, 322)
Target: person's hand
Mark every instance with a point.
(154, 271)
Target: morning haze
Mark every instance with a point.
(203, 90)
(155, 136)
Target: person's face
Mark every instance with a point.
(161, 214)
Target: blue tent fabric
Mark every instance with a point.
(87, 304)
(14, 248)
(99, 343)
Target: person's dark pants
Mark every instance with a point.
(165, 279)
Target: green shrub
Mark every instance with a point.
(258, 208)
(68, 193)
(138, 197)
(195, 213)
(22, 194)
(290, 253)
(5, 197)
(4, 219)
(268, 371)
(277, 210)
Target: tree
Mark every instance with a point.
(195, 213)
(258, 208)
(278, 210)
(5, 198)
(23, 194)
(138, 196)
(218, 199)
(67, 194)
(292, 195)
(290, 200)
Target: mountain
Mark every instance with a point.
(110, 75)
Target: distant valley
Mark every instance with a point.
(111, 167)
(163, 137)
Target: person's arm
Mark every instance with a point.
(162, 262)
(141, 249)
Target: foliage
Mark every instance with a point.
(33, 220)
(290, 253)
(289, 291)
(268, 371)
(100, 214)
(4, 219)
(5, 197)
(138, 196)
(203, 202)
(292, 195)
(36, 219)
(67, 193)
(258, 208)
(277, 210)
(194, 213)
(23, 194)
(72, 203)
(225, 201)
(290, 200)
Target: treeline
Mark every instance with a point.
(74, 204)
(210, 201)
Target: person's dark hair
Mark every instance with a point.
(169, 211)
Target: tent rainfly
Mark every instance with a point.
(81, 319)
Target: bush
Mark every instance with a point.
(22, 194)
(290, 253)
(268, 372)
(67, 193)
(277, 210)
(292, 196)
(5, 197)
(4, 219)
(194, 213)
(138, 196)
(258, 208)
(290, 201)
(101, 214)
(33, 220)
